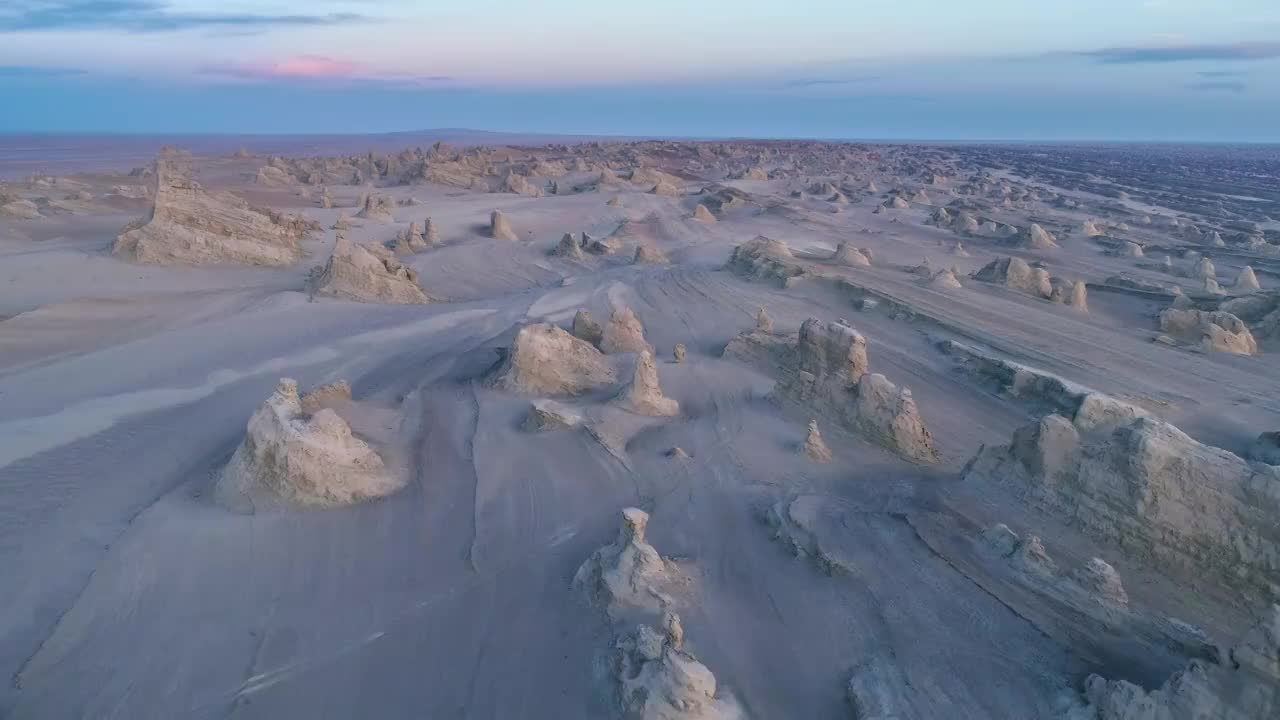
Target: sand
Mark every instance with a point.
(125, 390)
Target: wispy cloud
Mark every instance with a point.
(1182, 53)
(318, 69)
(1218, 86)
(35, 71)
(144, 16)
(820, 82)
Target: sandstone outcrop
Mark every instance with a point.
(643, 395)
(847, 254)
(624, 334)
(189, 225)
(1166, 499)
(548, 415)
(659, 680)
(647, 254)
(326, 396)
(586, 328)
(500, 227)
(629, 572)
(946, 280)
(546, 360)
(1015, 274)
(701, 213)
(1244, 687)
(814, 447)
(368, 273)
(765, 259)
(375, 208)
(1213, 330)
(1247, 280)
(289, 459)
(678, 352)
(19, 208)
(568, 247)
(1034, 237)
(827, 370)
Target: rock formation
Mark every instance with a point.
(624, 334)
(764, 323)
(1089, 229)
(659, 680)
(1035, 237)
(188, 225)
(548, 415)
(764, 258)
(814, 447)
(568, 247)
(1204, 268)
(546, 360)
(19, 208)
(647, 254)
(643, 395)
(678, 353)
(500, 227)
(378, 209)
(291, 460)
(946, 280)
(703, 214)
(628, 573)
(1131, 249)
(1015, 274)
(847, 254)
(329, 396)
(1245, 687)
(430, 233)
(586, 328)
(368, 273)
(826, 370)
(1166, 499)
(1079, 296)
(1266, 448)
(1213, 331)
(1247, 281)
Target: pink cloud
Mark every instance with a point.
(299, 66)
(316, 68)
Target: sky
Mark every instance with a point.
(1122, 70)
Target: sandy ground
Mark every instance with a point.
(124, 389)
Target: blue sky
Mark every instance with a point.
(920, 69)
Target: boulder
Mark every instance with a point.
(568, 247)
(678, 353)
(701, 213)
(1246, 281)
(764, 258)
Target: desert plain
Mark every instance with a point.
(641, 429)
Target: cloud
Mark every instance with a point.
(1182, 53)
(819, 82)
(1222, 73)
(1218, 86)
(32, 71)
(144, 16)
(318, 68)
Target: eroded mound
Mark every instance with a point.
(289, 459)
(368, 273)
(546, 360)
(188, 225)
